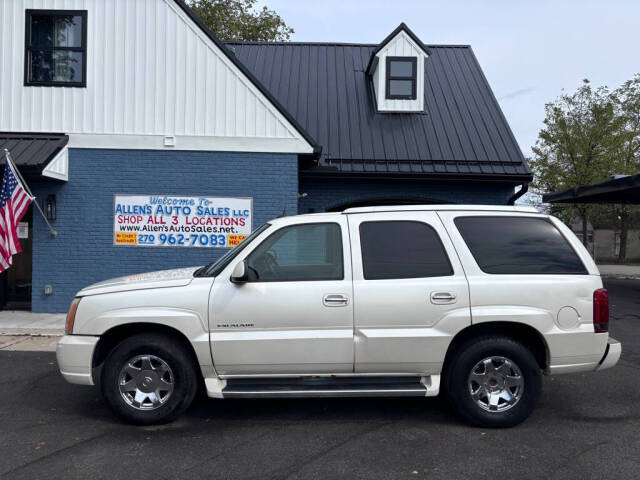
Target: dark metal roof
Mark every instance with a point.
(325, 87)
(619, 190)
(31, 152)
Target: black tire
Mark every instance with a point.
(458, 386)
(182, 373)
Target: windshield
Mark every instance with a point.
(214, 268)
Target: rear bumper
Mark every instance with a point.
(75, 357)
(588, 363)
(611, 355)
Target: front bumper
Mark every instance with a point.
(75, 358)
(611, 355)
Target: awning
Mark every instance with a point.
(37, 154)
(619, 190)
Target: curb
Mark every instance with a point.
(620, 276)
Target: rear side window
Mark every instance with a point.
(399, 249)
(518, 245)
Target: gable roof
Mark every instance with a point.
(265, 91)
(326, 88)
(401, 28)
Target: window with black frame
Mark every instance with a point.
(56, 48)
(401, 78)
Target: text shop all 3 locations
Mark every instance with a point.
(171, 221)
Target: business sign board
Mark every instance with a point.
(175, 221)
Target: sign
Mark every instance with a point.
(172, 221)
(23, 230)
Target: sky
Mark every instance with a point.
(530, 51)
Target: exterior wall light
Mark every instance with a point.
(50, 207)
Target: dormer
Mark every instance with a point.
(396, 69)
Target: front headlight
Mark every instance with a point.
(71, 316)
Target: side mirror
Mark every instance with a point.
(240, 273)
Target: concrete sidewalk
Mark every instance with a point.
(27, 331)
(20, 322)
(620, 271)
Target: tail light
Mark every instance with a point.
(71, 316)
(601, 310)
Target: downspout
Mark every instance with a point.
(518, 194)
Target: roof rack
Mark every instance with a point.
(410, 208)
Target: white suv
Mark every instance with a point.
(475, 301)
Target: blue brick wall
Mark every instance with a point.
(83, 252)
(324, 193)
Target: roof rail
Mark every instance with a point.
(412, 208)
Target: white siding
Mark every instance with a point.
(151, 72)
(401, 46)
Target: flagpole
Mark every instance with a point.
(26, 187)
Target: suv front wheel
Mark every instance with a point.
(493, 382)
(149, 378)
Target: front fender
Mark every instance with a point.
(184, 309)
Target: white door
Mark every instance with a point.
(295, 314)
(410, 292)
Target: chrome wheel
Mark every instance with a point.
(145, 382)
(496, 384)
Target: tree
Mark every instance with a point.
(626, 160)
(240, 20)
(575, 147)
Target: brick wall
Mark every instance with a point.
(83, 252)
(323, 194)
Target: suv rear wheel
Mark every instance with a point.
(148, 379)
(493, 382)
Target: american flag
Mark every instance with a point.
(14, 201)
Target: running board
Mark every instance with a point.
(365, 386)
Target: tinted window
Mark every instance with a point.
(298, 253)
(55, 47)
(518, 245)
(402, 250)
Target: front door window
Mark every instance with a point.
(310, 252)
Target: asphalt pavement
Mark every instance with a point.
(585, 426)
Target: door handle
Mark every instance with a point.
(335, 300)
(440, 298)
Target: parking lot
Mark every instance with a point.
(585, 426)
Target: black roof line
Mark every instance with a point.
(401, 28)
(336, 44)
(317, 149)
(598, 192)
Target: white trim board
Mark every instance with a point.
(58, 167)
(197, 143)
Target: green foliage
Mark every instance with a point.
(626, 100)
(578, 141)
(626, 160)
(240, 20)
(588, 136)
(576, 145)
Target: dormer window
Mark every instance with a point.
(401, 78)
